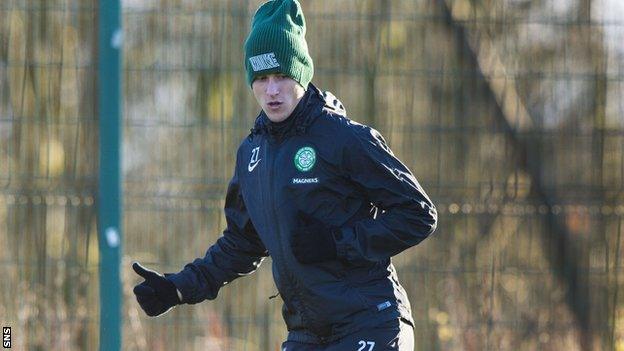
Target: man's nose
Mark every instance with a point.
(272, 87)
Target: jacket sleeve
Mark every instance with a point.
(238, 252)
(404, 213)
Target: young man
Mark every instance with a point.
(321, 194)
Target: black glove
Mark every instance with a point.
(313, 241)
(156, 294)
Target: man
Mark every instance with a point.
(321, 194)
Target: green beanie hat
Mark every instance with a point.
(276, 43)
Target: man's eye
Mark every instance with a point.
(262, 78)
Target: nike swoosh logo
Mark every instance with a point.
(251, 166)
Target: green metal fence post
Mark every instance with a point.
(109, 196)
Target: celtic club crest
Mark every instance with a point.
(305, 158)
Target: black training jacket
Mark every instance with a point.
(341, 172)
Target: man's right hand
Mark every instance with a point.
(156, 294)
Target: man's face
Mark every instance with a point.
(277, 95)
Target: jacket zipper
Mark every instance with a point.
(271, 204)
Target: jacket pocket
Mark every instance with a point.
(374, 288)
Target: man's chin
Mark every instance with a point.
(276, 118)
